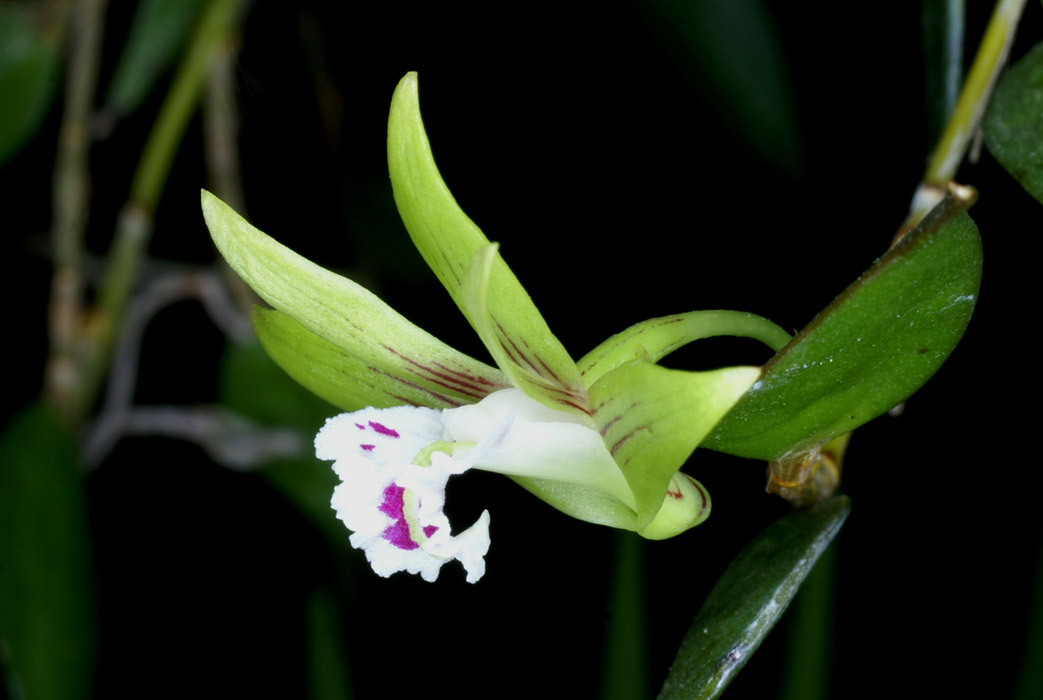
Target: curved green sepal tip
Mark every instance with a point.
(870, 349)
(749, 599)
(344, 314)
(1013, 124)
(449, 241)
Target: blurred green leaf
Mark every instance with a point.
(749, 599)
(731, 50)
(869, 350)
(1014, 122)
(158, 32)
(47, 623)
(28, 80)
(942, 27)
(254, 386)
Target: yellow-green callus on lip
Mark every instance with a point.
(601, 439)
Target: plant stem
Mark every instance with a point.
(134, 226)
(991, 56)
(70, 202)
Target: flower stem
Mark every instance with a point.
(963, 123)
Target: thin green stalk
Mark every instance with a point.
(625, 672)
(947, 156)
(70, 202)
(134, 226)
(810, 647)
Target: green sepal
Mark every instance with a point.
(652, 418)
(749, 599)
(656, 338)
(869, 350)
(514, 355)
(1013, 124)
(343, 313)
(448, 240)
(343, 379)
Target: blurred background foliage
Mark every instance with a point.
(633, 159)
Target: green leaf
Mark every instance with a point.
(732, 51)
(28, 80)
(1014, 122)
(652, 419)
(656, 338)
(159, 30)
(342, 313)
(47, 623)
(870, 349)
(449, 241)
(749, 599)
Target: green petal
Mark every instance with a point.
(652, 418)
(343, 314)
(525, 367)
(448, 240)
(656, 338)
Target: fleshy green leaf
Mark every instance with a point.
(656, 338)
(652, 419)
(1014, 122)
(749, 599)
(870, 349)
(449, 240)
(158, 31)
(344, 314)
(525, 368)
(47, 625)
(28, 79)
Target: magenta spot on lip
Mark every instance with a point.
(430, 530)
(368, 448)
(383, 429)
(360, 426)
(393, 506)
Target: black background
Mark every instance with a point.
(571, 135)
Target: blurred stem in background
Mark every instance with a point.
(64, 371)
(82, 343)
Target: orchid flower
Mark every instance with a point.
(601, 439)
